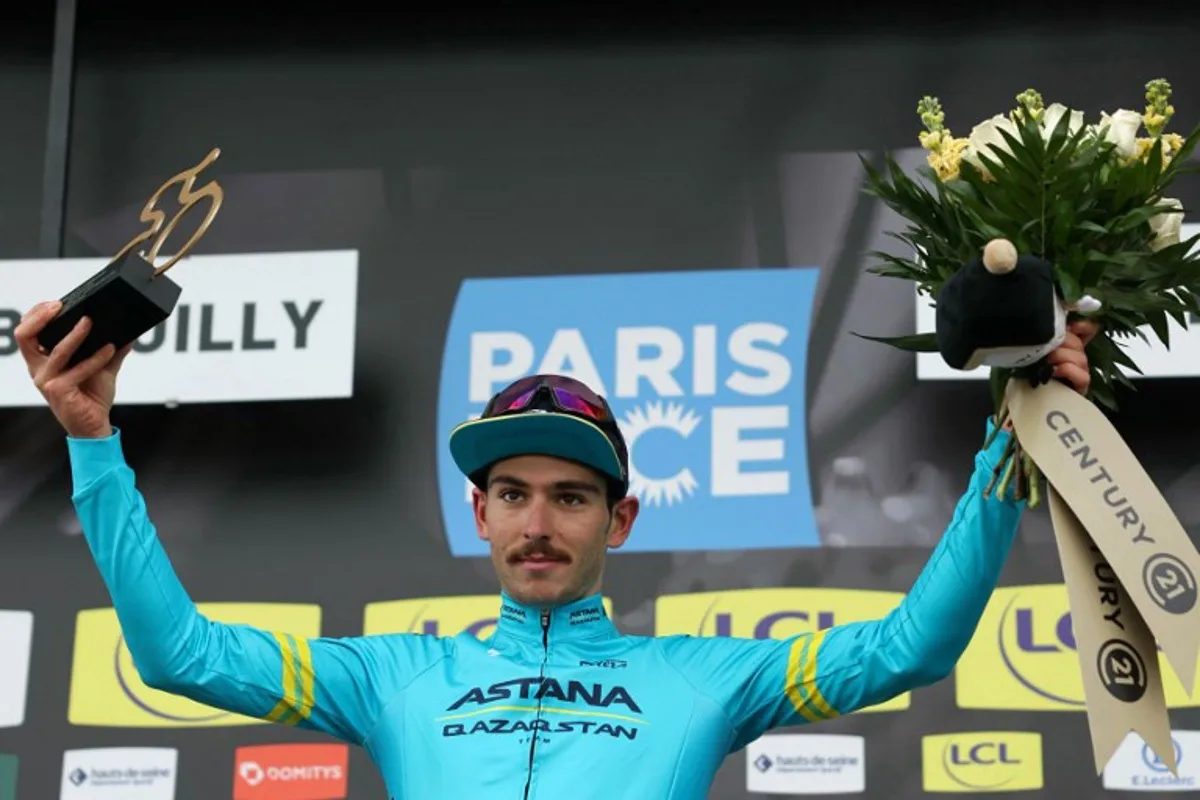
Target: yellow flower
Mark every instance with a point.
(1171, 144)
(1144, 143)
(1153, 120)
(1158, 106)
(1029, 101)
(947, 160)
(929, 109)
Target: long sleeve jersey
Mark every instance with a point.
(556, 702)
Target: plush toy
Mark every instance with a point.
(1003, 309)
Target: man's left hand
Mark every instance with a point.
(1069, 360)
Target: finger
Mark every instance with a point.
(1074, 374)
(63, 351)
(89, 366)
(1071, 341)
(36, 308)
(1085, 329)
(31, 324)
(36, 318)
(114, 366)
(1066, 355)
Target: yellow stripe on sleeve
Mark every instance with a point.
(307, 677)
(285, 710)
(801, 681)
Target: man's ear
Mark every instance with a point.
(479, 505)
(621, 520)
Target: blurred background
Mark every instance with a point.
(445, 145)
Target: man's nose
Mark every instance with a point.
(537, 520)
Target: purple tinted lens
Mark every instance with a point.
(517, 402)
(515, 396)
(576, 388)
(571, 401)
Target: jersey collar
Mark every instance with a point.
(580, 620)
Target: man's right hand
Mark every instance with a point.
(81, 397)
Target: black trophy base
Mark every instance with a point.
(123, 301)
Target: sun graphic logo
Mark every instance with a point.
(673, 417)
(703, 370)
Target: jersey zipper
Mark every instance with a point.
(538, 719)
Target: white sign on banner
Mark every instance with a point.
(120, 773)
(1134, 767)
(247, 327)
(1182, 360)
(16, 643)
(799, 763)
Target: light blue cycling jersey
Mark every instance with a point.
(555, 704)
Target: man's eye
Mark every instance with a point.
(511, 495)
(572, 499)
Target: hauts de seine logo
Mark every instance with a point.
(704, 370)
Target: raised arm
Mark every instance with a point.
(813, 677)
(334, 685)
(337, 686)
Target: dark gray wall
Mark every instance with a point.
(466, 146)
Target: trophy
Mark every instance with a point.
(130, 295)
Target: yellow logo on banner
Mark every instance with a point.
(439, 616)
(774, 614)
(982, 761)
(1023, 658)
(105, 687)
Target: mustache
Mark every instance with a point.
(538, 549)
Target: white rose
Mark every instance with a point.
(1122, 130)
(1054, 114)
(985, 138)
(1166, 225)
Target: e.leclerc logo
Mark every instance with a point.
(704, 370)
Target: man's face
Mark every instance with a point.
(549, 526)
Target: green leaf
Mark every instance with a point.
(1135, 218)
(1157, 320)
(916, 343)
(1069, 198)
(1071, 289)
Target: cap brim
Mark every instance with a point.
(478, 443)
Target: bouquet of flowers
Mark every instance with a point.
(1091, 199)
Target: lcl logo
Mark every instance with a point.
(981, 753)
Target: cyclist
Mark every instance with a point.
(556, 702)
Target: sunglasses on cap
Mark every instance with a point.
(566, 394)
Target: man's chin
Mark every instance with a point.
(539, 591)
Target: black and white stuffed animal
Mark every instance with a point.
(1002, 309)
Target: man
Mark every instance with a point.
(556, 703)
